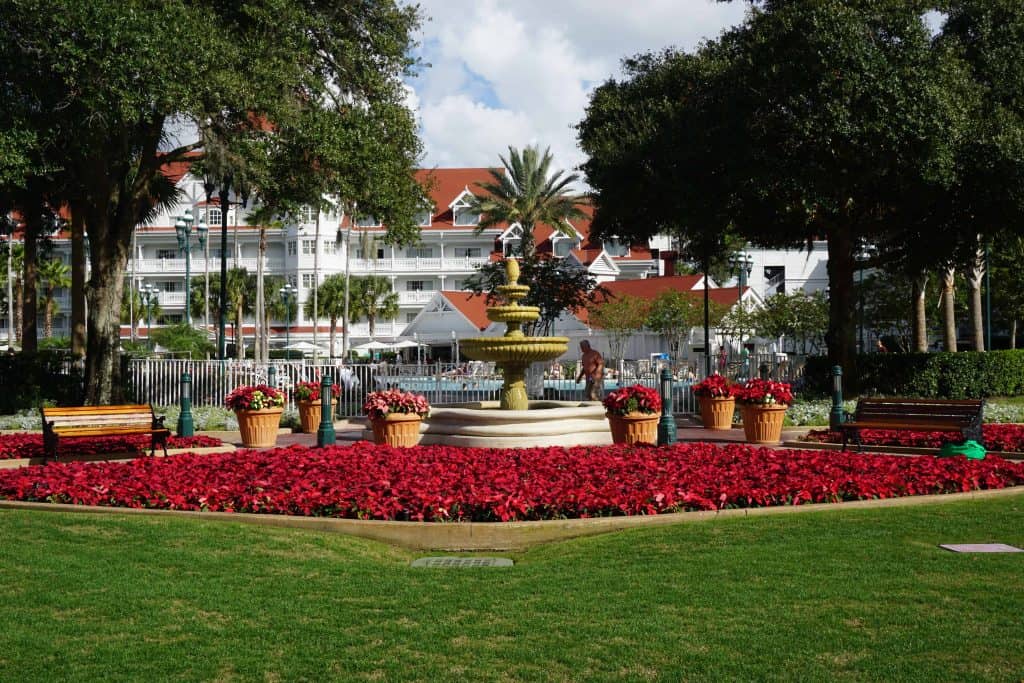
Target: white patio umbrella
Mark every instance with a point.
(406, 344)
(372, 345)
(306, 347)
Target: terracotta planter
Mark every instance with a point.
(309, 416)
(397, 429)
(763, 424)
(634, 427)
(716, 413)
(259, 427)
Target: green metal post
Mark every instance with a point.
(186, 426)
(272, 376)
(325, 434)
(667, 423)
(836, 417)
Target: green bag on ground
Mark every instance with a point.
(971, 449)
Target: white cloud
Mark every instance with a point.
(520, 73)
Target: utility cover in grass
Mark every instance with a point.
(461, 562)
(981, 548)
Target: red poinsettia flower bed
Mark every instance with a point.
(998, 438)
(30, 445)
(440, 483)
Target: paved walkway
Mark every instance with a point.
(351, 430)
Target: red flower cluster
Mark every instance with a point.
(256, 397)
(714, 386)
(368, 481)
(634, 399)
(764, 392)
(30, 445)
(997, 437)
(310, 391)
(380, 403)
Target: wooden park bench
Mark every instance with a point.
(123, 420)
(915, 414)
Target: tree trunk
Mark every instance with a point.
(239, 333)
(316, 278)
(30, 278)
(48, 306)
(1013, 334)
(949, 308)
(841, 337)
(975, 276)
(261, 352)
(919, 329)
(334, 332)
(109, 258)
(78, 307)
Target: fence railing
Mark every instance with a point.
(158, 381)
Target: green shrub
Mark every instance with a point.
(31, 379)
(924, 375)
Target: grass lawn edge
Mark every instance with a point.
(509, 536)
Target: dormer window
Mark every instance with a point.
(213, 216)
(512, 241)
(461, 211)
(306, 215)
(562, 245)
(613, 246)
(424, 216)
(367, 222)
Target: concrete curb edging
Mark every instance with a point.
(15, 463)
(887, 450)
(478, 536)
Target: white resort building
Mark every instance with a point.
(428, 277)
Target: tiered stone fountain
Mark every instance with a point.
(515, 421)
(514, 352)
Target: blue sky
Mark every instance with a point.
(518, 73)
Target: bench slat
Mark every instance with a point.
(96, 431)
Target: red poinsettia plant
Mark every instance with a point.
(764, 392)
(256, 397)
(310, 391)
(634, 399)
(381, 403)
(714, 386)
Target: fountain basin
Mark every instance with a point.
(481, 424)
(521, 349)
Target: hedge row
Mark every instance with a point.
(29, 379)
(925, 375)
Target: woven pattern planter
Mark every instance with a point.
(716, 413)
(397, 429)
(634, 427)
(259, 427)
(763, 424)
(309, 416)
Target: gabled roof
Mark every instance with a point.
(472, 306)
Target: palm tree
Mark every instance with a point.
(55, 275)
(528, 193)
(241, 292)
(372, 298)
(330, 300)
(263, 216)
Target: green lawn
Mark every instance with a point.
(857, 595)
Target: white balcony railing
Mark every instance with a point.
(416, 265)
(151, 266)
(417, 297)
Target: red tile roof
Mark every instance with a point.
(473, 306)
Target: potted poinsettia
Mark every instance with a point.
(307, 398)
(764, 403)
(395, 416)
(717, 402)
(633, 414)
(258, 409)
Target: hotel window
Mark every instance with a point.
(213, 216)
(423, 217)
(166, 253)
(330, 247)
(307, 215)
(367, 222)
(308, 246)
(171, 286)
(616, 247)
(562, 245)
(420, 252)
(361, 253)
(293, 248)
(513, 246)
(307, 281)
(409, 317)
(419, 286)
(463, 216)
(467, 252)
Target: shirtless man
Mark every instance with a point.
(591, 367)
